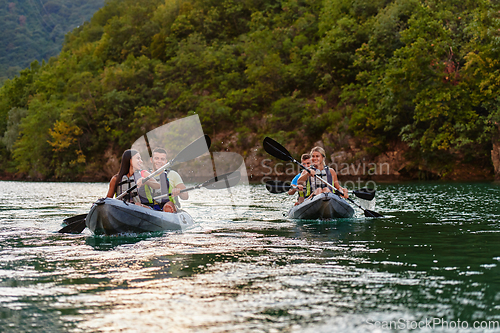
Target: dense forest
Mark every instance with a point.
(421, 74)
(35, 29)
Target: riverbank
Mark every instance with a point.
(388, 167)
(355, 164)
(352, 162)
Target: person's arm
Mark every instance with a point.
(176, 191)
(176, 180)
(111, 190)
(151, 182)
(337, 185)
(293, 189)
(303, 177)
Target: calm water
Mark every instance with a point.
(433, 262)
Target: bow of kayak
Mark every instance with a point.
(323, 206)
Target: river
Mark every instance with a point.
(431, 264)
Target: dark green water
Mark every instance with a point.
(432, 262)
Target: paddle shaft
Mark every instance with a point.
(321, 179)
(282, 187)
(228, 180)
(317, 177)
(181, 155)
(145, 179)
(181, 191)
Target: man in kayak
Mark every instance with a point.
(171, 182)
(305, 159)
(322, 171)
(131, 174)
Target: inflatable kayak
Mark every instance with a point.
(111, 216)
(323, 206)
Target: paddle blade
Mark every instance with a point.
(275, 149)
(365, 194)
(75, 218)
(195, 149)
(276, 186)
(74, 228)
(224, 181)
(371, 213)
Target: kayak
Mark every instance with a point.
(323, 206)
(111, 216)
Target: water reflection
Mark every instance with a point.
(341, 229)
(106, 243)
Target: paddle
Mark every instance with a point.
(192, 151)
(220, 182)
(75, 218)
(196, 148)
(76, 227)
(74, 224)
(277, 150)
(365, 193)
(276, 186)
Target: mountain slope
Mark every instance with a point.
(360, 76)
(35, 29)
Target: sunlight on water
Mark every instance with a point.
(245, 267)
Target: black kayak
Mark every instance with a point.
(111, 216)
(323, 206)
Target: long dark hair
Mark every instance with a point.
(125, 165)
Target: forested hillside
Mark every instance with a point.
(416, 73)
(35, 29)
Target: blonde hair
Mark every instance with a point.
(321, 151)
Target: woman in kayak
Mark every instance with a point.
(131, 174)
(320, 169)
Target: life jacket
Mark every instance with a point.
(166, 188)
(324, 174)
(144, 193)
(308, 189)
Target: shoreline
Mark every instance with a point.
(388, 167)
(254, 180)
